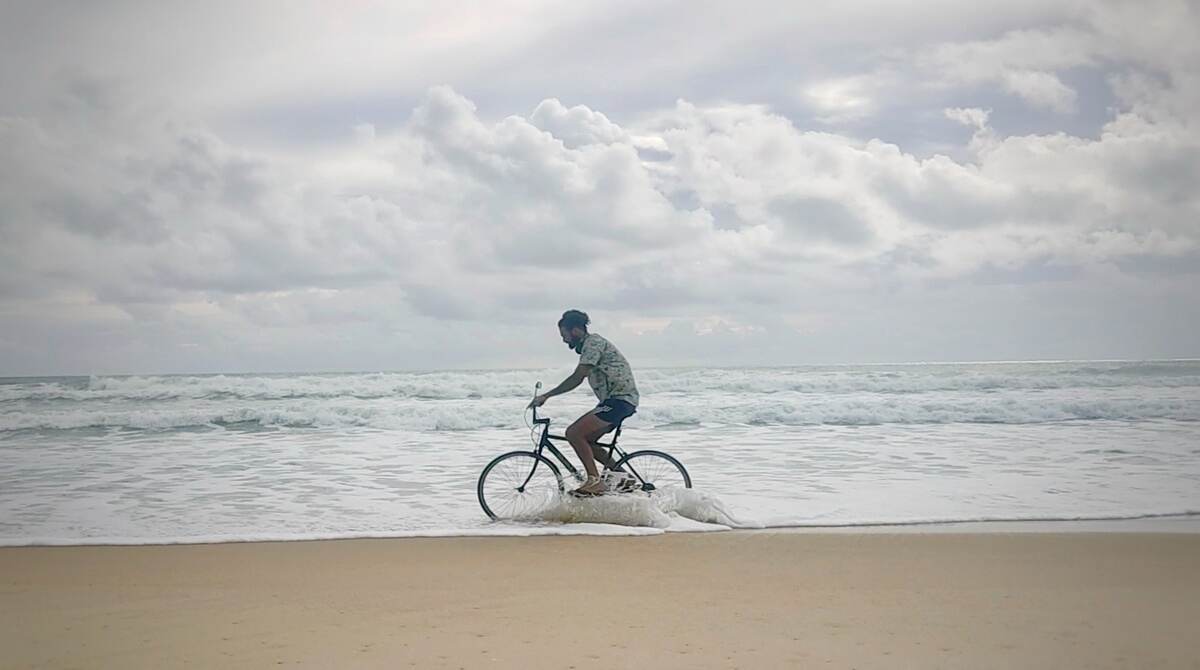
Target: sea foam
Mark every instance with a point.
(462, 401)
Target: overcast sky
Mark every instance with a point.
(237, 186)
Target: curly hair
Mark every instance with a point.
(573, 318)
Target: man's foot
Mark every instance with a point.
(617, 481)
(594, 486)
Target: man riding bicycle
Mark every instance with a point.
(611, 378)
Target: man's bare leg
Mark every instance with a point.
(578, 433)
(603, 455)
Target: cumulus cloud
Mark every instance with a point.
(575, 127)
(968, 116)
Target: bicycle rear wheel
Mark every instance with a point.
(518, 484)
(655, 470)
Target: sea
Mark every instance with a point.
(168, 459)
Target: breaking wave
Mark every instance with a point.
(453, 385)
(665, 413)
(664, 509)
(672, 399)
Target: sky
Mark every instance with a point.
(356, 185)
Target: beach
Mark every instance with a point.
(572, 335)
(699, 600)
(1018, 515)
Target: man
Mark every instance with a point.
(611, 379)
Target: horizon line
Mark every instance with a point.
(647, 367)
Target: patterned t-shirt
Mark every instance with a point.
(611, 376)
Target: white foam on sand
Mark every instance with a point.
(668, 510)
(671, 509)
(496, 530)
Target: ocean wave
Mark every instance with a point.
(905, 380)
(342, 416)
(494, 384)
(663, 412)
(428, 386)
(867, 411)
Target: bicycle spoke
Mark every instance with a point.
(656, 470)
(500, 487)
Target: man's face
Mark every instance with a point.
(572, 338)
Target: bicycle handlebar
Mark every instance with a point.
(536, 388)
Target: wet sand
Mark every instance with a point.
(722, 600)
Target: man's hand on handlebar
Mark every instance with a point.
(538, 401)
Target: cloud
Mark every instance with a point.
(541, 192)
(1029, 62)
(969, 116)
(577, 126)
(133, 222)
(1041, 89)
(842, 100)
(1021, 50)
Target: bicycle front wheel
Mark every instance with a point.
(655, 470)
(518, 484)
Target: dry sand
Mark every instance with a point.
(726, 600)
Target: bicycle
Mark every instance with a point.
(511, 486)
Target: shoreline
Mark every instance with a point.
(1165, 523)
(719, 600)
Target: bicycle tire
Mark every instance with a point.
(537, 488)
(655, 469)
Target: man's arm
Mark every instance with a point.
(568, 384)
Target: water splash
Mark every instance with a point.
(660, 509)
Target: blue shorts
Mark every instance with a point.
(614, 411)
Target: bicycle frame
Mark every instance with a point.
(546, 443)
